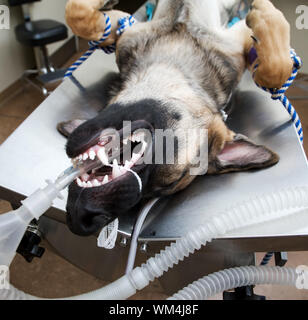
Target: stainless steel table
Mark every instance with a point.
(35, 152)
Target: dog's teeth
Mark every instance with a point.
(85, 177)
(95, 183)
(80, 158)
(116, 172)
(84, 184)
(138, 137)
(144, 146)
(92, 154)
(122, 170)
(85, 156)
(106, 180)
(127, 164)
(89, 184)
(135, 157)
(101, 154)
(79, 182)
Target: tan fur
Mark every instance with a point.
(267, 23)
(273, 34)
(219, 135)
(86, 21)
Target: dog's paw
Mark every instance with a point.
(85, 19)
(272, 32)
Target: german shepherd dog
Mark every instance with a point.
(177, 71)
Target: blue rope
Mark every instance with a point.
(279, 94)
(123, 23)
(266, 258)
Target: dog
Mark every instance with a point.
(176, 72)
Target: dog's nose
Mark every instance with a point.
(84, 222)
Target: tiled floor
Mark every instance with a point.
(52, 276)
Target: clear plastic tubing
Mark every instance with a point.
(260, 209)
(13, 224)
(221, 281)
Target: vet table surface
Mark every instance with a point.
(36, 151)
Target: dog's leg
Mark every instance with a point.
(272, 32)
(167, 9)
(87, 21)
(205, 14)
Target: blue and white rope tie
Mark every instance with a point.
(266, 258)
(279, 94)
(123, 23)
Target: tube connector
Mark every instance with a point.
(138, 279)
(41, 200)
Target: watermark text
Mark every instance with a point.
(302, 18)
(4, 17)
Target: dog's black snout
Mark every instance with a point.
(85, 223)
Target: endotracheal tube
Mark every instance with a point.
(13, 224)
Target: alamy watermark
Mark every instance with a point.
(302, 19)
(302, 278)
(4, 277)
(4, 17)
(187, 147)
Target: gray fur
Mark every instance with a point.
(187, 42)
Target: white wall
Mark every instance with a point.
(15, 58)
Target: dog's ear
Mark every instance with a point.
(241, 154)
(67, 127)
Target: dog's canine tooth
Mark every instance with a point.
(102, 156)
(138, 137)
(85, 156)
(92, 154)
(89, 184)
(127, 164)
(79, 182)
(106, 180)
(116, 172)
(135, 157)
(144, 146)
(84, 184)
(80, 158)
